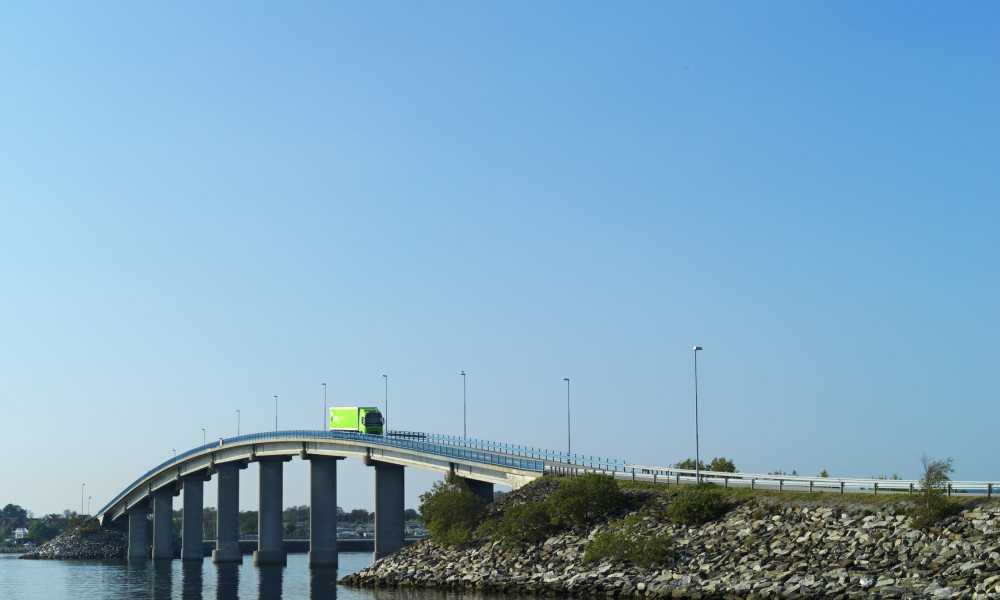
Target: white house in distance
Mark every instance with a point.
(20, 533)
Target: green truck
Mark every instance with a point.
(361, 419)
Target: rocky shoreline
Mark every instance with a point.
(764, 548)
(101, 544)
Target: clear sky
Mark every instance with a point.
(202, 205)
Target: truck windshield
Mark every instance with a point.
(373, 419)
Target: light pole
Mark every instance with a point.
(697, 449)
(89, 498)
(385, 418)
(237, 422)
(465, 431)
(83, 486)
(569, 446)
(275, 412)
(326, 412)
(174, 450)
(204, 439)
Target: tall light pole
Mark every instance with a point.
(204, 439)
(697, 448)
(275, 412)
(385, 418)
(569, 446)
(237, 422)
(83, 486)
(465, 430)
(326, 412)
(89, 498)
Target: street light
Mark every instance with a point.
(89, 499)
(237, 422)
(568, 445)
(275, 412)
(325, 411)
(697, 449)
(83, 486)
(385, 418)
(465, 431)
(204, 440)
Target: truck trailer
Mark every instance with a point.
(360, 419)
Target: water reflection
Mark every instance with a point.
(227, 582)
(269, 582)
(323, 584)
(162, 579)
(191, 580)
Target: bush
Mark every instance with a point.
(722, 465)
(690, 463)
(584, 500)
(933, 504)
(697, 505)
(526, 523)
(626, 541)
(451, 512)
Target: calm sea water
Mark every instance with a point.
(65, 580)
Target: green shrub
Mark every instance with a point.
(584, 500)
(697, 505)
(451, 512)
(526, 523)
(626, 541)
(722, 464)
(933, 505)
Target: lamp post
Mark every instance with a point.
(326, 412)
(275, 412)
(204, 439)
(237, 422)
(465, 430)
(89, 499)
(83, 486)
(385, 418)
(569, 446)
(697, 449)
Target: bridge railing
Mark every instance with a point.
(421, 445)
(781, 482)
(582, 461)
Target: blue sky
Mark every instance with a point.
(202, 206)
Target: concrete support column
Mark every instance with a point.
(227, 524)
(163, 525)
(389, 521)
(482, 489)
(323, 511)
(270, 533)
(138, 532)
(192, 524)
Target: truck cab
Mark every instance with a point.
(358, 419)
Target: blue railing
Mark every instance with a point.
(421, 445)
(576, 460)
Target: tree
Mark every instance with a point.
(722, 464)
(40, 531)
(689, 463)
(411, 515)
(933, 504)
(14, 515)
(824, 474)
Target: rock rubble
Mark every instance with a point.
(761, 549)
(105, 544)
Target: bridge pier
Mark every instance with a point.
(389, 510)
(270, 532)
(482, 489)
(163, 525)
(323, 511)
(227, 517)
(192, 523)
(138, 532)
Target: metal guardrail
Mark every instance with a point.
(668, 475)
(554, 456)
(428, 447)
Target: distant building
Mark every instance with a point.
(20, 533)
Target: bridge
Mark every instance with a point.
(153, 492)
(480, 463)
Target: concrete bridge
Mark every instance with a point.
(186, 473)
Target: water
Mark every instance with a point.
(175, 580)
